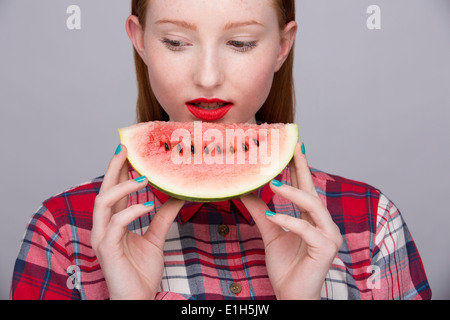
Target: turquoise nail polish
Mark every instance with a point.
(119, 148)
(303, 148)
(276, 183)
(149, 204)
(140, 179)
(270, 213)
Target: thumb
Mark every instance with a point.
(258, 208)
(162, 221)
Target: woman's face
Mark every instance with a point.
(211, 60)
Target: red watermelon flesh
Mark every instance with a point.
(206, 162)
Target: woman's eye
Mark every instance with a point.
(174, 45)
(242, 46)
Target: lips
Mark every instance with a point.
(209, 109)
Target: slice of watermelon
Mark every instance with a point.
(207, 162)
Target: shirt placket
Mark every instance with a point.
(237, 284)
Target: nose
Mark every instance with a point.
(208, 73)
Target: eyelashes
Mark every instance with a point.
(173, 45)
(242, 46)
(239, 46)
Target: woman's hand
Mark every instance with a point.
(132, 264)
(297, 261)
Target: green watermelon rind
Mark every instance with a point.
(209, 199)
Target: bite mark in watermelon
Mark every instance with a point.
(207, 162)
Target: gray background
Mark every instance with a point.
(372, 106)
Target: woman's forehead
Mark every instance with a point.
(213, 10)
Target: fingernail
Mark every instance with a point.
(303, 148)
(276, 183)
(270, 213)
(149, 204)
(119, 148)
(140, 179)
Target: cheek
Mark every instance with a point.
(165, 78)
(256, 82)
(257, 71)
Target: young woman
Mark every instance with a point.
(306, 235)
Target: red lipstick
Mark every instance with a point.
(209, 109)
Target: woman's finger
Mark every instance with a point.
(302, 171)
(120, 221)
(293, 173)
(258, 209)
(110, 197)
(116, 168)
(310, 234)
(306, 202)
(106, 200)
(116, 172)
(162, 221)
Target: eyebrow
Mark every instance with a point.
(179, 23)
(228, 26)
(233, 25)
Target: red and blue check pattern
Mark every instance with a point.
(378, 259)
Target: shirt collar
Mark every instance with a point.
(189, 209)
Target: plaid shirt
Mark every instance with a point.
(215, 251)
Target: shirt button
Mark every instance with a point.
(235, 288)
(223, 230)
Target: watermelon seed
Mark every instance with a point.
(232, 149)
(180, 148)
(166, 146)
(206, 150)
(256, 142)
(245, 147)
(219, 150)
(192, 149)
